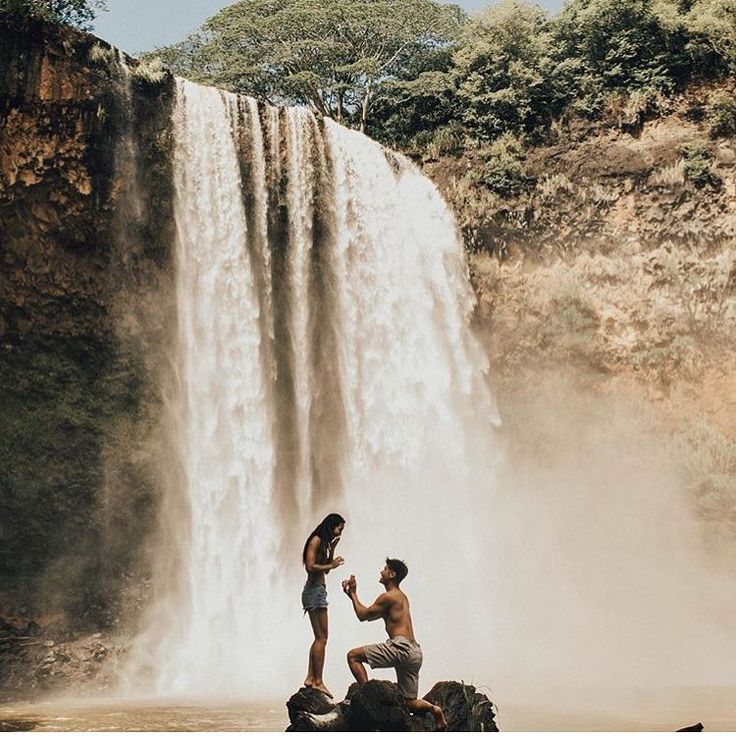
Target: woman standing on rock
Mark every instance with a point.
(318, 559)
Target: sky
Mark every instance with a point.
(142, 25)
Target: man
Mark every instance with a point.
(401, 651)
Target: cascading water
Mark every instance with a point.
(324, 363)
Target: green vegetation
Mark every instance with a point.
(722, 115)
(150, 72)
(78, 13)
(502, 170)
(335, 55)
(698, 163)
(423, 76)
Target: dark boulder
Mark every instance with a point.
(378, 705)
(309, 700)
(335, 720)
(465, 708)
(311, 710)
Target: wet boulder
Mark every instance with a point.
(378, 705)
(311, 710)
(465, 708)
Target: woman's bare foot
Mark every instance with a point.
(322, 688)
(440, 721)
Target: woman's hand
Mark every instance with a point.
(337, 562)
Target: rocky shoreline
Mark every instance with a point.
(38, 660)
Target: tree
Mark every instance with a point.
(337, 56)
(418, 103)
(79, 13)
(621, 45)
(711, 25)
(502, 71)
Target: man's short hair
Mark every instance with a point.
(398, 567)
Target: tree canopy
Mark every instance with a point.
(501, 69)
(417, 73)
(79, 13)
(338, 56)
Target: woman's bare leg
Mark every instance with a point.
(309, 679)
(318, 619)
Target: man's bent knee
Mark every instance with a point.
(357, 655)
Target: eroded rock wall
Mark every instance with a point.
(607, 279)
(84, 244)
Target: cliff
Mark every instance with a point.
(84, 242)
(605, 267)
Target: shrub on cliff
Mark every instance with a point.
(698, 163)
(502, 171)
(721, 114)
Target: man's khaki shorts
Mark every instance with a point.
(402, 654)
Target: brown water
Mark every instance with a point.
(663, 711)
(126, 715)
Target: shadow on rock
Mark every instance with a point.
(377, 706)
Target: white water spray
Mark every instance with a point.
(325, 363)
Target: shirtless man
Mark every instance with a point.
(401, 651)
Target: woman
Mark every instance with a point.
(318, 558)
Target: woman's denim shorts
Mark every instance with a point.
(314, 596)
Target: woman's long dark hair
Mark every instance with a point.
(324, 531)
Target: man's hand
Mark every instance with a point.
(337, 562)
(349, 586)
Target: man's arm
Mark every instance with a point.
(365, 613)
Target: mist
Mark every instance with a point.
(600, 585)
(554, 555)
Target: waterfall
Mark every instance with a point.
(324, 363)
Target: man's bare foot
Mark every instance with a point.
(308, 683)
(322, 688)
(440, 721)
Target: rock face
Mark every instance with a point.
(378, 705)
(465, 708)
(84, 247)
(36, 660)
